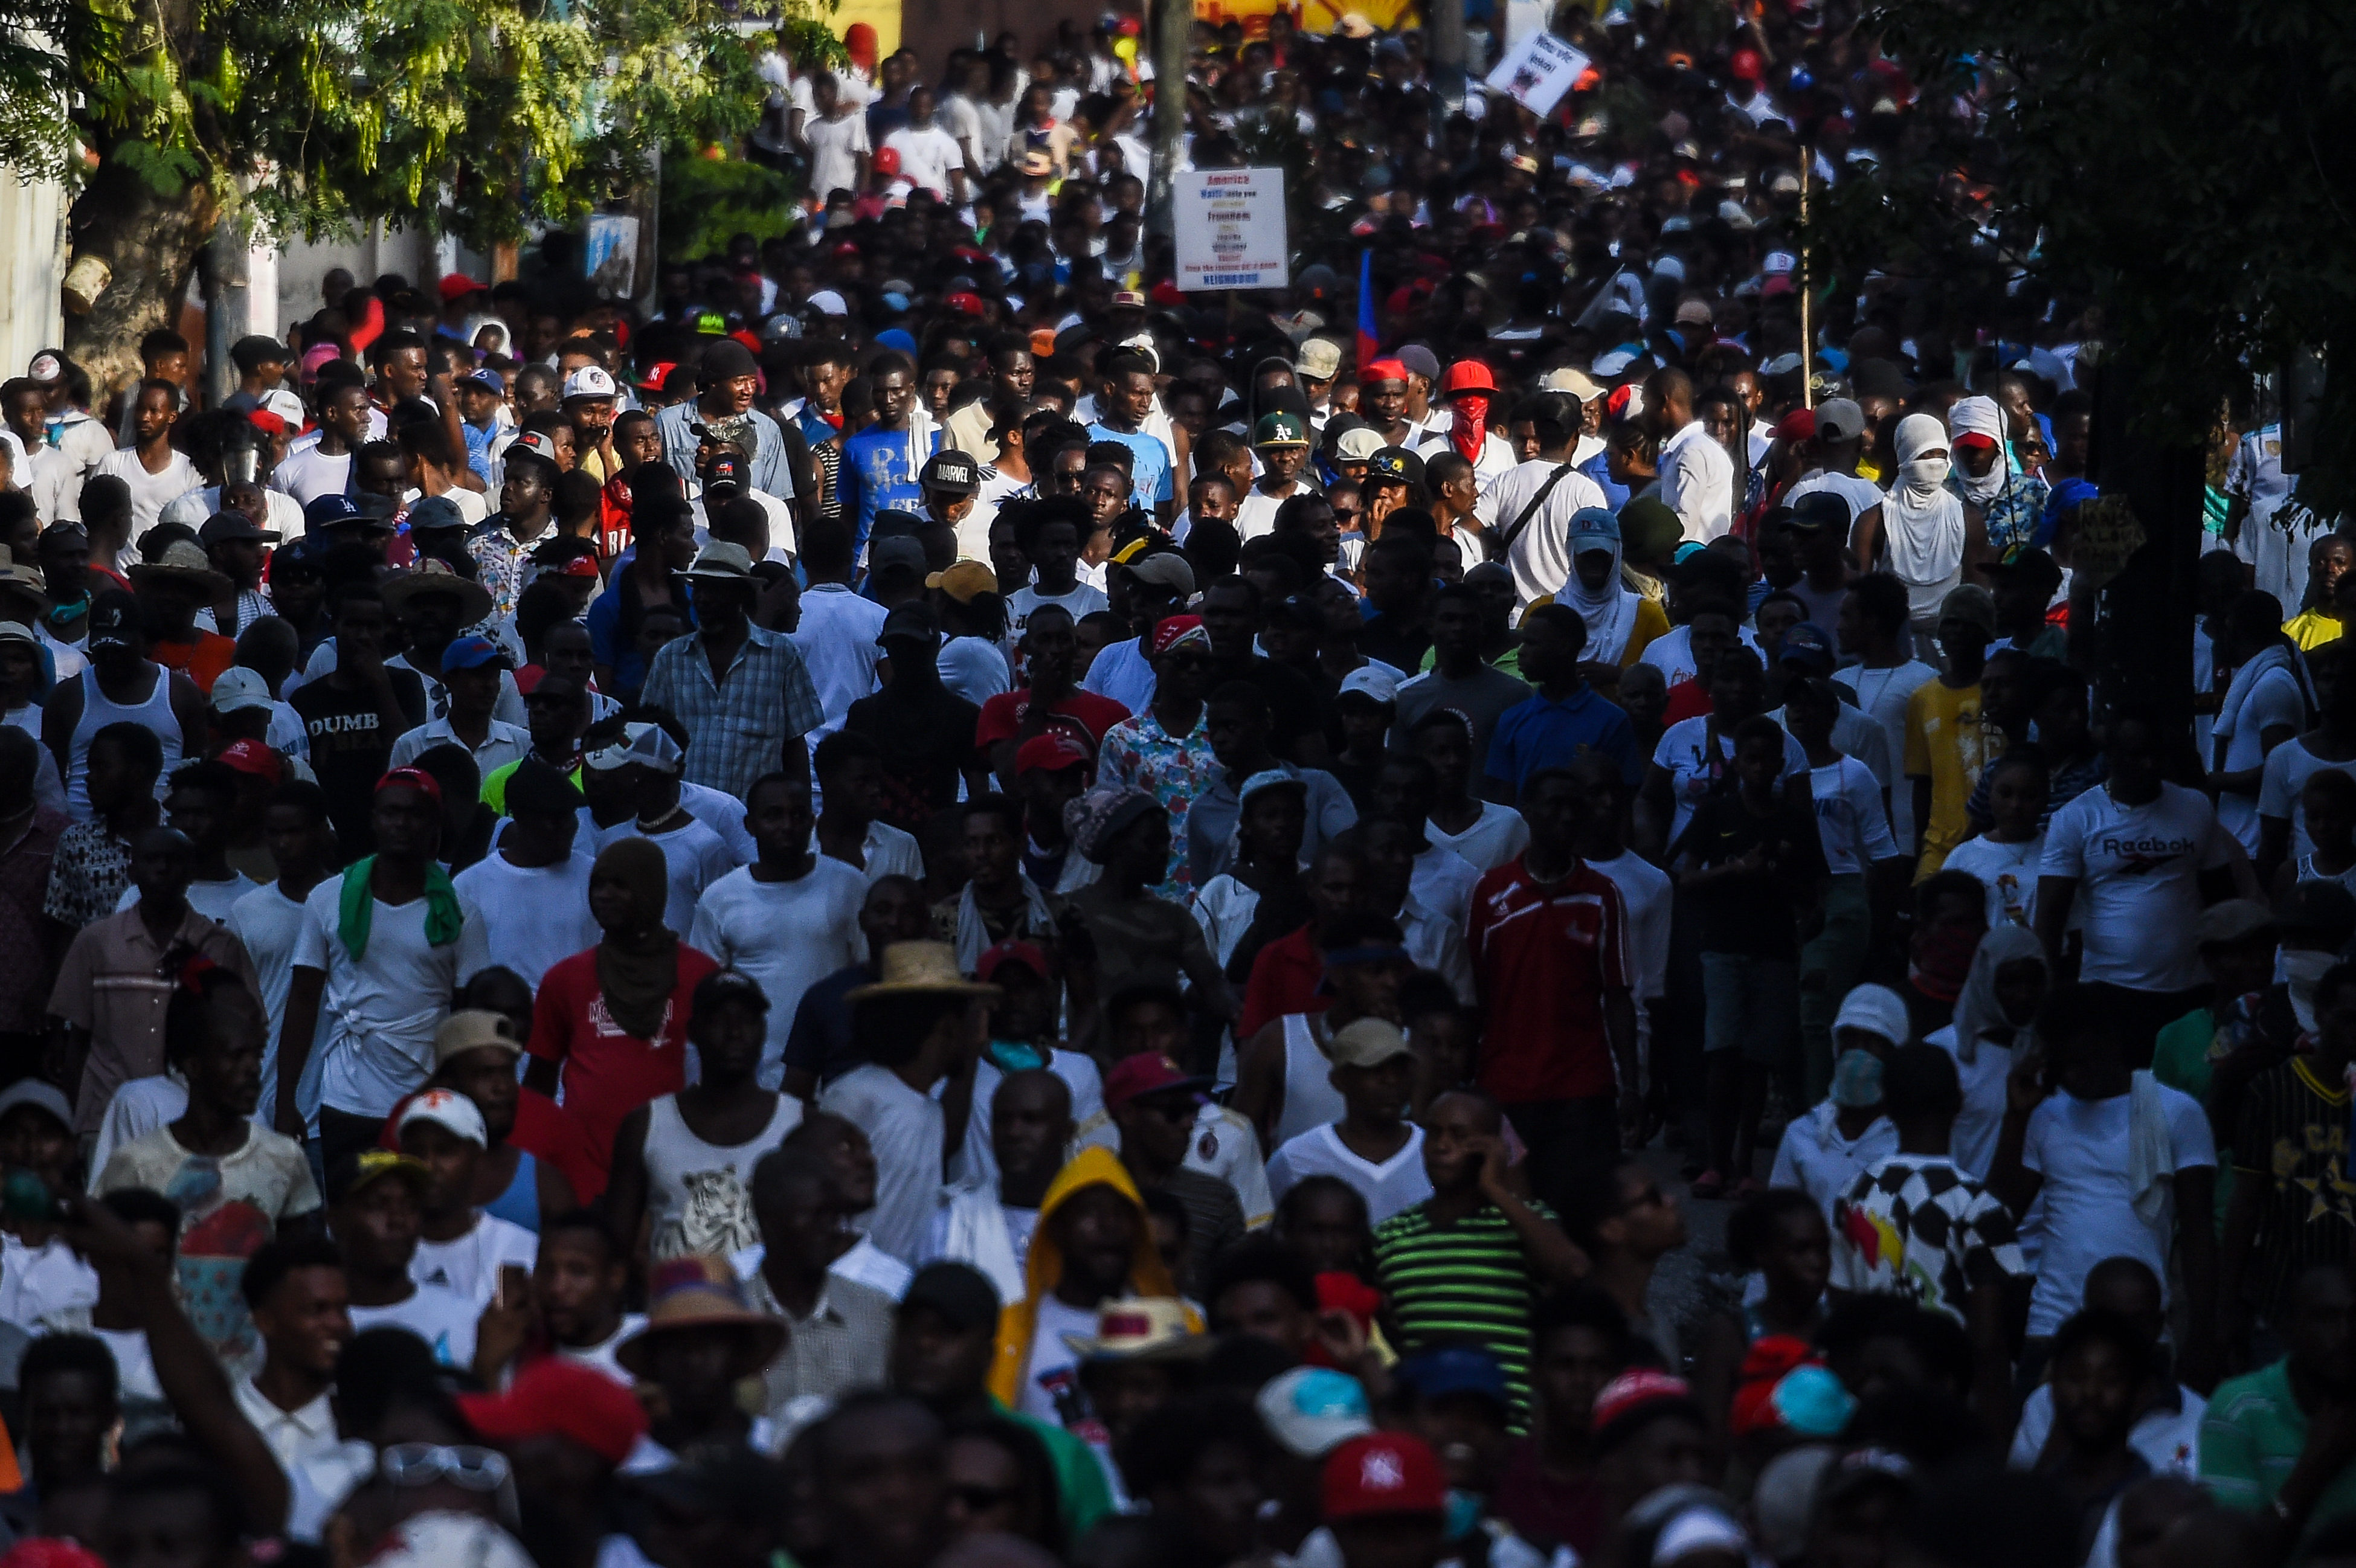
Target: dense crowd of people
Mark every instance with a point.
(938, 903)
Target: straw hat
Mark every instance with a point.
(431, 576)
(701, 1292)
(1140, 1328)
(182, 562)
(917, 969)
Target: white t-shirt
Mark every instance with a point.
(725, 815)
(2139, 870)
(975, 1165)
(835, 147)
(975, 668)
(150, 493)
(1053, 1364)
(2010, 873)
(1498, 835)
(379, 1013)
(534, 917)
(2080, 1146)
(1397, 1184)
(1971, 1143)
(1645, 891)
(306, 474)
(1256, 513)
(1081, 601)
(1882, 695)
(906, 1129)
(470, 1265)
(1671, 653)
(2169, 1440)
(696, 859)
(1540, 553)
(1862, 494)
(1850, 823)
(435, 1314)
(270, 925)
(2288, 767)
(2274, 702)
(601, 1355)
(1683, 752)
(1816, 1159)
(927, 154)
(787, 935)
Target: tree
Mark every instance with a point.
(308, 117)
(2182, 162)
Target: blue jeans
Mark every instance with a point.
(1752, 1006)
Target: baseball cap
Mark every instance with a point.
(955, 473)
(472, 653)
(1577, 383)
(650, 745)
(1383, 1473)
(356, 1172)
(1147, 1073)
(1819, 509)
(590, 381)
(1010, 951)
(827, 302)
(113, 620)
(1972, 604)
(1051, 753)
(458, 286)
(474, 1029)
(1282, 428)
(1358, 445)
(489, 380)
(1467, 376)
(284, 404)
(1311, 1411)
(222, 527)
(724, 470)
(1452, 1369)
(1593, 529)
(1372, 683)
(238, 689)
(252, 758)
(914, 621)
(1640, 1392)
(964, 301)
(1396, 465)
(1319, 359)
(449, 1110)
(1366, 1042)
(1420, 360)
(896, 551)
(1839, 419)
(1164, 569)
(554, 1397)
(434, 512)
(958, 1292)
(964, 581)
(533, 444)
(33, 1092)
(1808, 646)
(1270, 778)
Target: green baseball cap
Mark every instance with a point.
(1281, 429)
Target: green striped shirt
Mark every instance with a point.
(1467, 1282)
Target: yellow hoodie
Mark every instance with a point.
(1044, 1270)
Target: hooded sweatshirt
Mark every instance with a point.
(1018, 1321)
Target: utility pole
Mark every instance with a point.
(1447, 56)
(1172, 25)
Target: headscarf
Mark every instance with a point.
(1980, 417)
(1609, 612)
(1922, 519)
(1978, 1015)
(637, 967)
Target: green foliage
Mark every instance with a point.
(477, 116)
(2184, 162)
(705, 202)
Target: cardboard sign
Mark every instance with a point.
(2106, 534)
(1231, 230)
(1537, 71)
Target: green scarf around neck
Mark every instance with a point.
(357, 911)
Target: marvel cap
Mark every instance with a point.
(951, 472)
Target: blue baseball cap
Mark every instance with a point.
(490, 381)
(1807, 645)
(471, 652)
(326, 511)
(1455, 1369)
(1593, 529)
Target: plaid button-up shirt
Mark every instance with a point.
(738, 725)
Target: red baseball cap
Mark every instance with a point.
(1800, 424)
(458, 286)
(887, 160)
(1467, 376)
(966, 304)
(579, 566)
(1746, 66)
(254, 758)
(410, 778)
(654, 378)
(556, 1398)
(1637, 1390)
(1010, 952)
(1051, 753)
(1147, 1073)
(1384, 1473)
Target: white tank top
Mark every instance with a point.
(2309, 873)
(1309, 1100)
(98, 711)
(697, 1192)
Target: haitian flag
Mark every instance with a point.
(1370, 335)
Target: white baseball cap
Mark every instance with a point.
(648, 744)
(285, 405)
(238, 689)
(827, 302)
(1312, 1410)
(447, 1109)
(589, 381)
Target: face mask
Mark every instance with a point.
(1012, 1056)
(1925, 473)
(2300, 968)
(1857, 1080)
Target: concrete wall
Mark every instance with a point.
(301, 266)
(32, 264)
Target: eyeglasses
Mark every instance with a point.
(464, 1464)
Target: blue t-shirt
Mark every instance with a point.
(1149, 482)
(1537, 733)
(878, 475)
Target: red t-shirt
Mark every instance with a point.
(1284, 979)
(1002, 715)
(607, 1074)
(201, 660)
(544, 1130)
(1542, 957)
(1687, 699)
